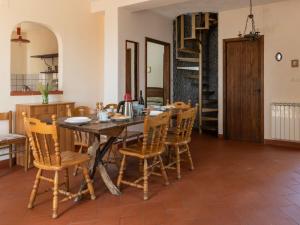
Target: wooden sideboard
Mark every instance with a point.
(42, 112)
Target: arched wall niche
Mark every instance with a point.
(36, 58)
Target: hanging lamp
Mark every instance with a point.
(20, 39)
(254, 33)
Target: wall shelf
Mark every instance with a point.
(49, 72)
(45, 56)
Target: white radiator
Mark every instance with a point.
(285, 122)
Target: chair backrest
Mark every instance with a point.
(78, 111)
(43, 141)
(155, 133)
(7, 116)
(182, 105)
(111, 106)
(185, 123)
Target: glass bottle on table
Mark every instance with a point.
(141, 99)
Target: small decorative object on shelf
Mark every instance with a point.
(44, 90)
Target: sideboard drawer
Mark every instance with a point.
(43, 109)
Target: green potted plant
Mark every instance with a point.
(44, 90)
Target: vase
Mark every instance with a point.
(45, 99)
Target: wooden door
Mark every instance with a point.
(243, 89)
(166, 73)
(128, 71)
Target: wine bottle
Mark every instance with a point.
(141, 99)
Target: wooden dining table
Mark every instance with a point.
(97, 150)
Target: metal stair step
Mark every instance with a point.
(190, 38)
(208, 92)
(186, 50)
(210, 110)
(196, 60)
(193, 77)
(193, 68)
(210, 101)
(209, 128)
(207, 118)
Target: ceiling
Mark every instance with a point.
(188, 6)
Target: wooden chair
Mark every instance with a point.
(111, 106)
(10, 139)
(112, 156)
(81, 139)
(182, 105)
(155, 132)
(180, 139)
(47, 155)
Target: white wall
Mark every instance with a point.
(18, 56)
(136, 27)
(80, 38)
(155, 61)
(279, 23)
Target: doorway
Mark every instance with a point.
(157, 72)
(243, 89)
(132, 68)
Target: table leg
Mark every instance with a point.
(97, 153)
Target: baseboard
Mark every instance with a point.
(281, 143)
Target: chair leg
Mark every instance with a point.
(145, 179)
(190, 157)
(35, 189)
(55, 196)
(26, 153)
(163, 170)
(10, 156)
(121, 171)
(75, 171)
(178, 162)
(116, 160)
(76, 167)
(141, 166)
(87, 178)
(67, 182)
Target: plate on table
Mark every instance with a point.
(78, 120)
(155, 113)
(120, 118)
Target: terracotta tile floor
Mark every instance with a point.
(234, 183)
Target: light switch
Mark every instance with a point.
(295, 63)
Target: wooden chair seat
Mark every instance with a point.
(8, 139)
(172, 139)
(68, 159)
(131, 134)
(136, 151)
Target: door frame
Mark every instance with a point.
(261, 60)
(167, 68)
(136, 67)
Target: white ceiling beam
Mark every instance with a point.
(132, 5)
